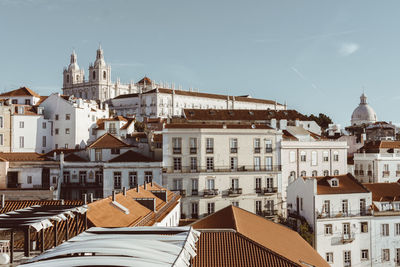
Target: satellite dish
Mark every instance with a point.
(51, 188)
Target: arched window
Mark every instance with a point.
(314, 173)
(77, 78)
(292, 174)
(326, 173)
(67, 78)
(104, 75)
(336, 172)
(94, 75)
(303, 173)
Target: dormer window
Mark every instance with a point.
(334, 182)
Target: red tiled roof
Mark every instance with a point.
(145, 79)
(288, 136)
(23, 156)
(129, 123)
(374, 146)
(63, 150)
(42, 98)
(74, 158)
(275, 237)
(384, 191)
(242, 115)
(108, 141)
(347, 185)
(23, 91)
(215, 126)
(233, 249)
(11, 205)
(131, 156)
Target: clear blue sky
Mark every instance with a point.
(316, 55)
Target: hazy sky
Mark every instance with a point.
(316, 55)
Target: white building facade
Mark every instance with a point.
(214, 166)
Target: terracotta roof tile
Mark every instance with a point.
(215, 126)
(129, 123)
(374, 146)
(23, 91)
(107, 140)
(145, 79)
(347, 185)
(384, 191)
(288, 136)
(275, 237)
(11, 205)
(132, 156)
(42, 98)
(74, 158)
(236, 250)
(23, 156)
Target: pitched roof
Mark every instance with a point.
(233, 249)
(205, 95)
(375, 146)
(347, 185)
(275, 237)
(242, 115)
(215, 126)
(42, 98)
(22, 91)
(23, 156)
(103, 213)
(74, 158)
(145, 79)
(107, 140)
(384, 191)
(132, 156)
(11, 205)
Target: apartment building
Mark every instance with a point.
(337, 208)
(378, 162)
(118, 126)
(306, 154)
(217, 165)
(5, 126)
(74, 119)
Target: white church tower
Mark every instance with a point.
(73, 74)
(100, 78)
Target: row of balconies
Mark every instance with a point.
(369, 173)
(232, 192)
(82, 184)
(267, 213)
(210, 150)
(339, 214)
(244, 168)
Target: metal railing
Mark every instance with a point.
(347, 238)
(181, 192)
(195, 192)
(268, 150)
(234, 191)
(209, 150)
(249, 168)
(210, 192)
(385, 173)
(234, 150)
(257, 149)
(270, 190)
(193, 150)
(177, 150)
(339, 214)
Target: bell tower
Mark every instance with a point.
(100, 76)
(73, 74)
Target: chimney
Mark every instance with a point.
(144, 185)
(137, 188)
(124, 191)
(113, 195)
(3, 201)
(90, 197)
(85, 199)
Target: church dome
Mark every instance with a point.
(73, 65)
(363, 114)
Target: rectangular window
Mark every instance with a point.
(268, 146)
(303, 156)
(270, 183)
(56, 146)
(29, 179)
(1, 140)
(292, 156)
(66, 146)
(21, 124)
(133, 179)
(235, 183)
(258, 184)
(328, 229)
(346, 229)
(363, 208)
(56, 131)
(268, 163)
(98, 154)
(82, 177)
(67, 117)
(325, 156)
(397, 227)
(326, 208)
(21, 142)
(257, 145)
(210, 208)
(56, 117)
(148, 177)
(347, 258)
(210, 163)
(177, 145)
(335, 156)
(44, 125)
(195, 184)
(364, 227)
(66, 130)
(117, 180)
(54, 179)
(193, 145)
(99, 177)
(177, 164)
(258, 207)
(1, 122)
(233, 145)
(195, 209)
(329, 257)
(177, 184)
(257, 163)
(66, 177)
(397, 260)
(27, 101)
(210, 145)
(345, 206)
(235, 203)
(14, 101)
(234, 163)
(43, 141)
(385, 254)
(385, 229)
(193, 164)
(210, 184)
(314, 158)
(115, 151)
(364, 254)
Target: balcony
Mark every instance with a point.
(268, 150)
(177, 150)
(195, 192)
(209, 150)
(385, 174)
(112, 130)
(181, 192)
(193, 150)
(195, 215)
(249, 168)
(269, 190)
(269, 213)
(210, 192)
(234, 150)
(234, 192)
(258, 190)
(257, 150)
(347, 238)
(353, 213)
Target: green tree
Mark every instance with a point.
(322, 120)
